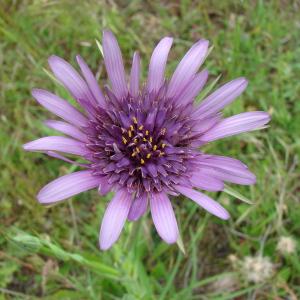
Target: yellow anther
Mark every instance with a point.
(144, 139)
(151, 139)
(131, 127)
(163, 145)
(134, 120)
(133, 154)
(130, 134)
(147, 132)
(161, 153)
(155, 147)
(142, 161)
(137, 150)
(141, 127)
(135, 141)
(148, 155)
(124, 140)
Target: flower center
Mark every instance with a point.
(141, 144)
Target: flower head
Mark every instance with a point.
(142, 142)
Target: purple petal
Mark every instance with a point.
(158, 64)
(237, 124)
(114, 64)
(67, 129)
(207, 203)
(205, 124)
(56, 143)
(104, 187)
(220, 98)
(163, 217)
(135, 75)
(70, 78)
(114, 219)
(138, 207)
(227, 169)
(187, 68)
(91, 81)
(70, 161)
(206, 182)
(60, 107)
(67, 186)
(193, 88)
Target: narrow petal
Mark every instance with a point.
(237, 124)
(206, 124)
(104, 187)
(193, 88)
(217, 160)
(207, 203)
(237, 176)
(56, 143)
(187, 68)
(163, 217)
(220, 98)
(114, 64)
(138, 207)
(135, 75)
(158, 64)
(60, 107)
(227, 169)
(67, 186)
(91, 81)
(114, 219)
(70, 78)
(70, 161)
(67, 129)
(205, 182)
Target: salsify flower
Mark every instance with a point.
(142, 141)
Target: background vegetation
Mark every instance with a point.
(52, 253)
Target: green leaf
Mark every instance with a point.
(180, 244)
(230, 191)
(208, 89)
(100, 47)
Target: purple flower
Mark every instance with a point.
(142, 141)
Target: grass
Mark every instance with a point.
(51, 253)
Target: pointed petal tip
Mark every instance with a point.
(204, 42)
(171, 240)
(136, 55)
(204, 72)
(103, 246)
(30, 146)
(252, 179)
(52, 59)
(267, 117)
(242, 81)
(26, 147)
(49, 122)
(40, 198)
(79, 59)
(237, 83)
(106, 33)
(226, 216)
(35, 92)
(167, 39)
